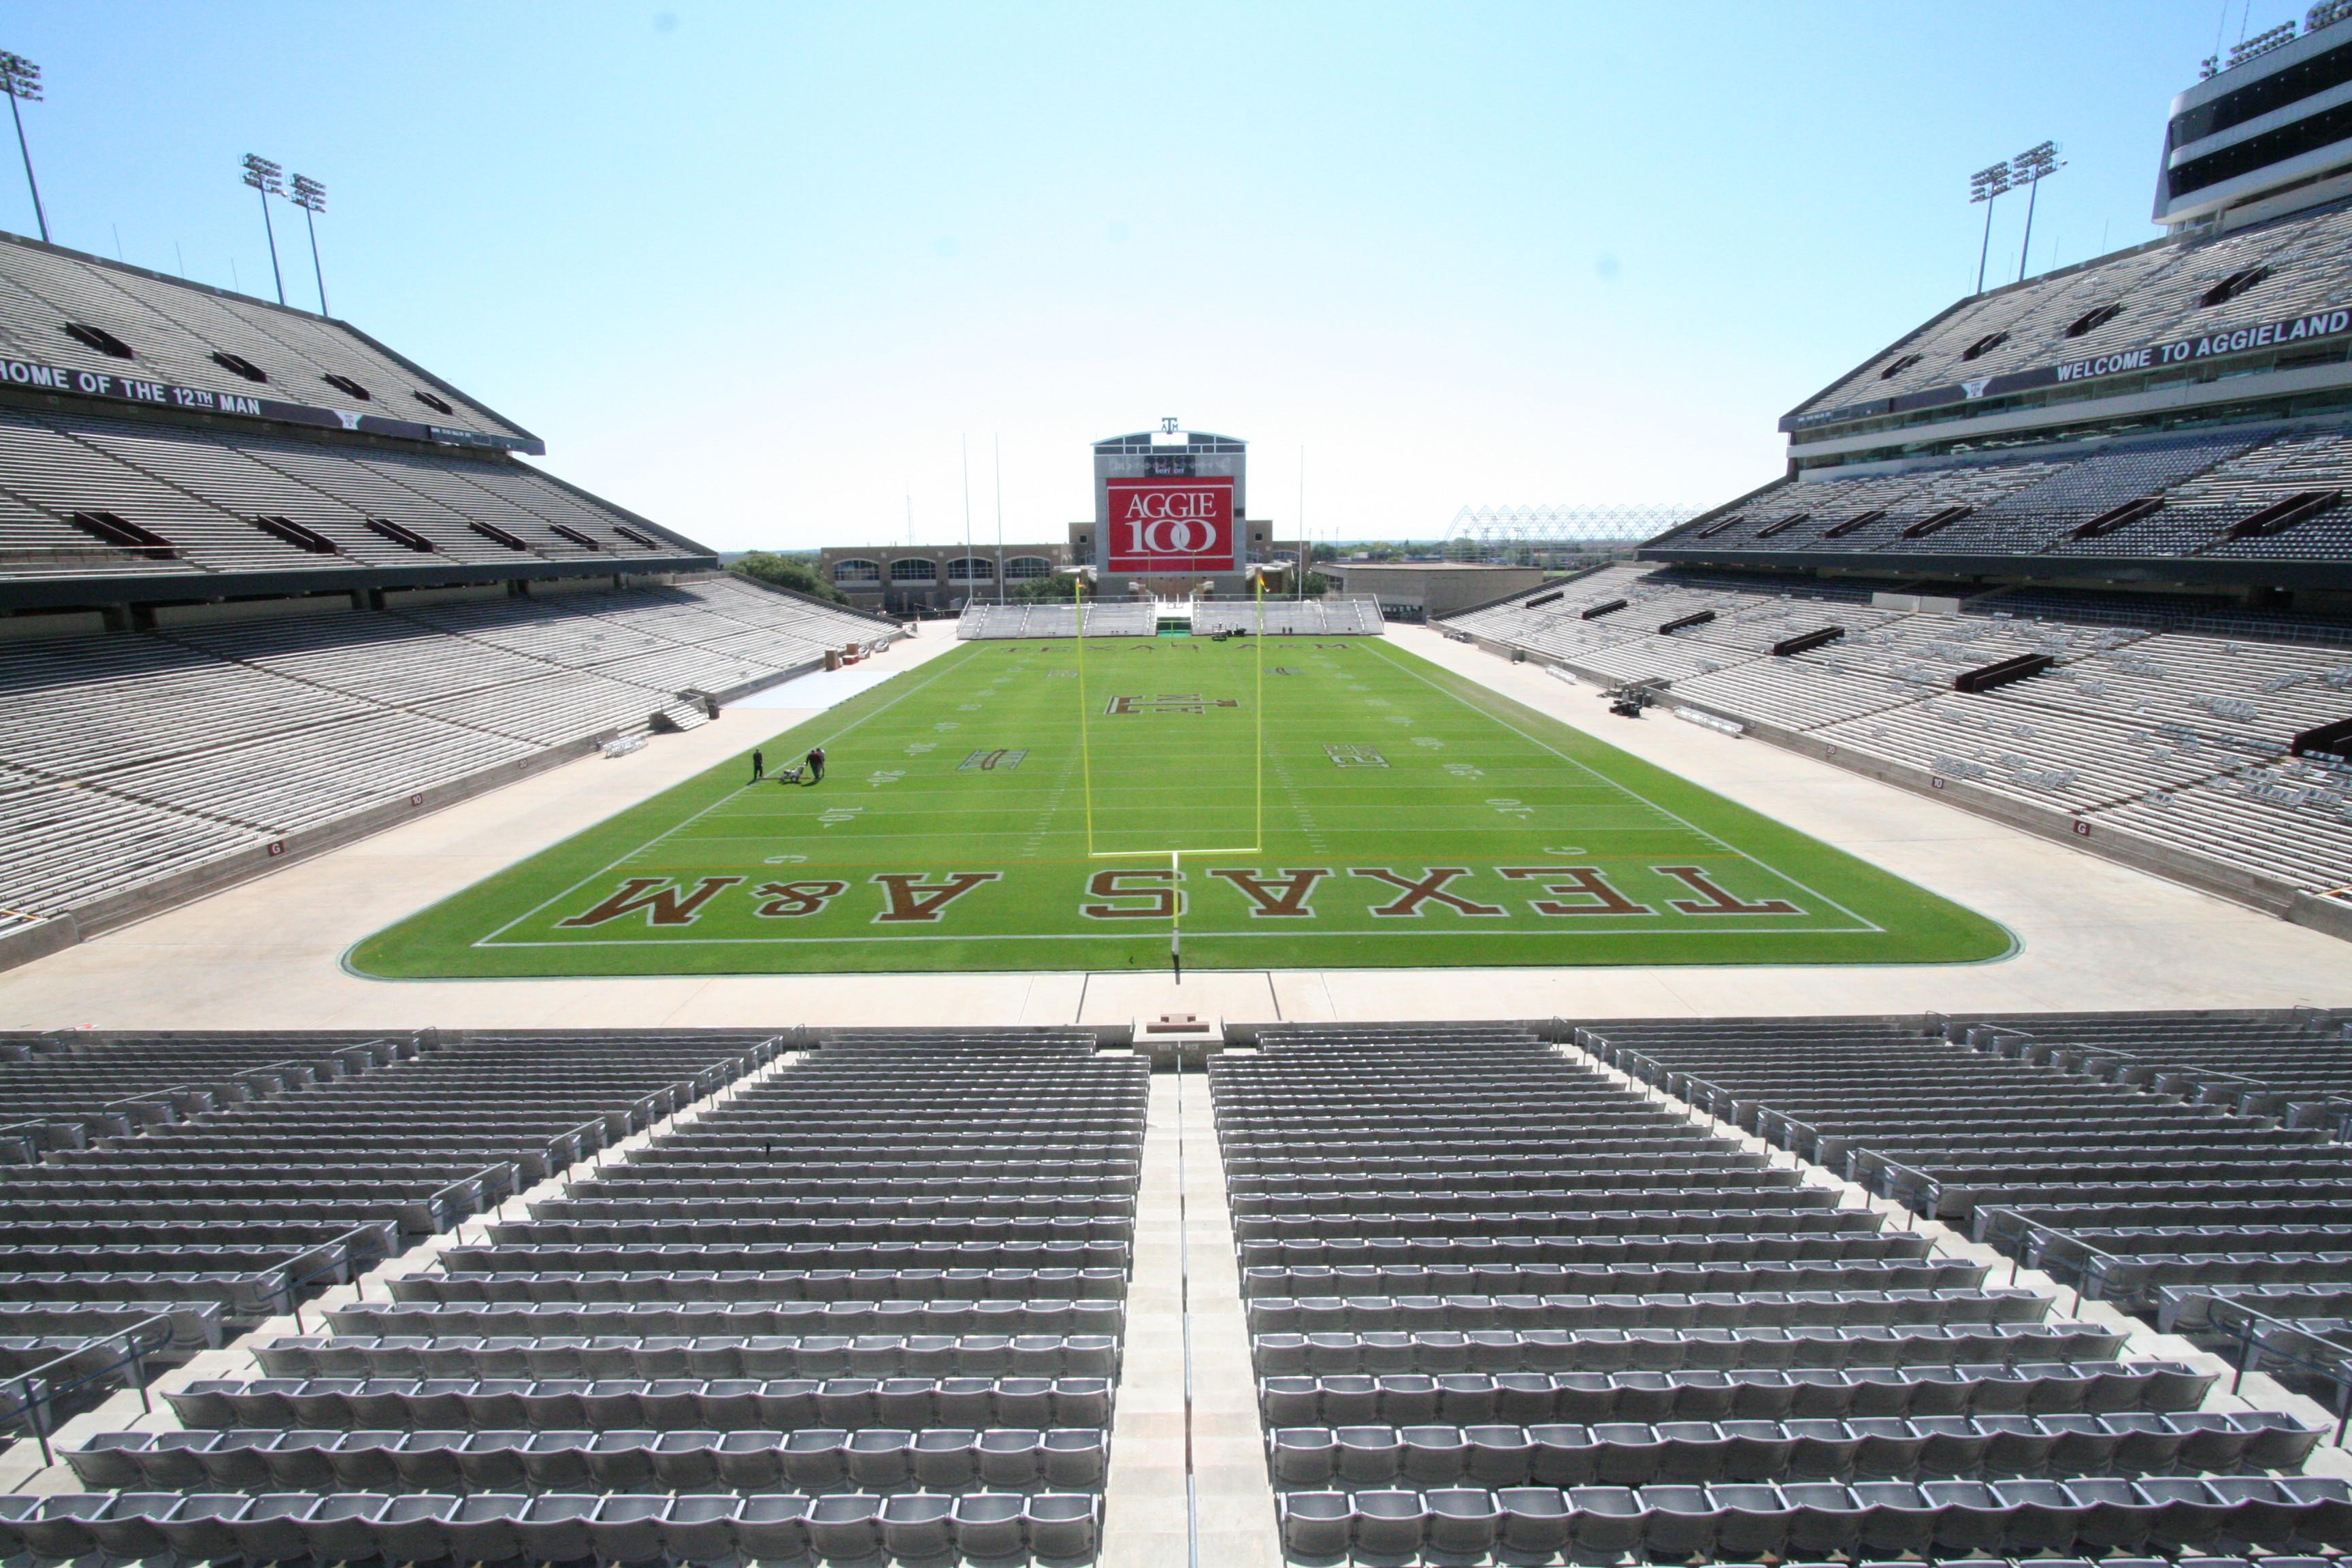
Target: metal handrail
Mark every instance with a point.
(351, 1257)
(2248, 1324)
(35, 1392)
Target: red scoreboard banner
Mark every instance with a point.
(1170, 525)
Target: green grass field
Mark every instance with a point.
(1001, 808)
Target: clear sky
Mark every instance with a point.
(760, 272)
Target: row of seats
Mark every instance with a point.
(1826, 1348)
(815, 1459)
(1854, 1262)
(1866, 1520)
(1633, 1454)
(661, 1405)
(641, 1273)
(1627, 1310)
(780, 1355)
(2056, 1387)
(610, 1527)
(543, 1318)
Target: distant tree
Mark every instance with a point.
(1039, 591)
(766, 566)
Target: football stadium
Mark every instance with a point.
(481, 983)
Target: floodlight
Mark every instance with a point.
(1984, 185)
(2029, 169)
(269, 179)
(311, 198)
(21, 79)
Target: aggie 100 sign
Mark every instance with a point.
(1170, 525)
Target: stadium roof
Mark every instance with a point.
(79, 326)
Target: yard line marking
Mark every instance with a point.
(1744, 855)
(614, 864)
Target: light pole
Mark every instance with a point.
(2029, 169)
(20, 78)
(311, 198)
(1986, 185)
(269, 179)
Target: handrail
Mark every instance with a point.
(32, 1405)
(350, 1257)
(2247, 1322)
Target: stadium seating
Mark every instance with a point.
(1579, 1322)
(2172, 739)
(960, 1397)
(1106, 618)
(173, 1190)
(2053, 510)
(131, 757)
(2159, 290)
(200, 492)
(1289, 617)
(174, 328)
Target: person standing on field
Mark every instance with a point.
(816, 765)
(759, 767)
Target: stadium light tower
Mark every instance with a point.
(2029, 169)
(20, 78)
(1986, 185)
(269, 179)
(311, 198)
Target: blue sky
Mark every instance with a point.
(760, 271)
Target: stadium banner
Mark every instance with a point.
(34, 376)
(1170, 525)
(2122, 362)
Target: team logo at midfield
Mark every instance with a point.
(1168, 702)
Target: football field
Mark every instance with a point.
(1259, 804)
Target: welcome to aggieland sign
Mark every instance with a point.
(2147, 356)
(196, 399)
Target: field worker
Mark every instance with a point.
(816, 765)
(759, 767)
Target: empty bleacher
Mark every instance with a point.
(161, 1194)
(1500, 1305)
(173, 329)
(2173, 739)
(2055, 507)
(131, 757)
(871, 1302)
(2159, 290)
(1323, 617)
(200, 492)
(1105, 618)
